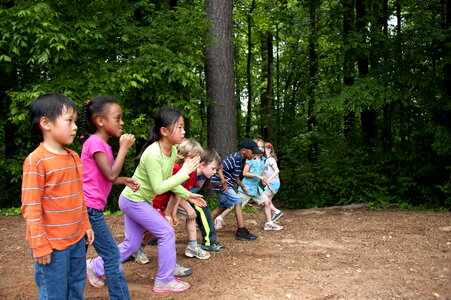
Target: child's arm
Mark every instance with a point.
(132, 183)
(191, 214)
(246, 173)
(32, 197)
(239, 183)
(111, 172)
(223, 181)
(171, 209)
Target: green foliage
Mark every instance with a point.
(12, 211)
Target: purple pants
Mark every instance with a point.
(139, 216)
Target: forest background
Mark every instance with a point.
(354, 94)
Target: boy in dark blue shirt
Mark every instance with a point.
(225, 179)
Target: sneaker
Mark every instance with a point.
(92, 278)
(213, 247)
(272, 226)
(219, 223)
(244, 234)
(141, 257)
(171, 286)
(276, 216)
(196, 252)
(180, 271)
(153, 241)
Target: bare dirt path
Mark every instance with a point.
(320, 254)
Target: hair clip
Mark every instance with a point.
(268, 146)
(88, 101)
(82, 137)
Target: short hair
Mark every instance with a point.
(51, 106)
(210, 155)
(188, 148)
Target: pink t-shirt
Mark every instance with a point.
(95, 186)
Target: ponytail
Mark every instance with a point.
(92, 109)
(165, 117)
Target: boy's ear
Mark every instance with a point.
(44, 123)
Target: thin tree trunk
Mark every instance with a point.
(348, 64)
(222, 133)
(267, 96)
(248, 69)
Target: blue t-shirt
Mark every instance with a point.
(252, 184)
(231, 168)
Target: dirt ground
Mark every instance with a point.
(329, 253)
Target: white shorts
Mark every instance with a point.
(259, 199)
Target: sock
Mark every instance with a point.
(192, 244)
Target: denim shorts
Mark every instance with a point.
(275, 186)
(228, 198)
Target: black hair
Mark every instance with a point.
(92, 109)
(165, 117)
(51, 106)
(210, 155)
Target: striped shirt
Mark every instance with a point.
(52, 200)
(231, 168)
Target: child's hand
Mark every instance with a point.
(191, 214)
(126, 141)
(224, 185)
(245, 190)
(191, 164)
(44, 260)
(197, 200)
(169, 219)
(132, 183)
(176, 220)
(89, 236)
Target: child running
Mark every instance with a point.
(100, 172)
(271, 174)
(252, 177)
(154, 173)
(52, 201)
(227, 176)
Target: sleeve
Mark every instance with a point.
(154, 169)
(95, 146)
(32, 193)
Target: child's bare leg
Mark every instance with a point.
(239, 215)
(227, 211)
(267, 210)
(217, 211)
(191, 229)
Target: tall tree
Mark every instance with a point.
(222, 133)
(268, 92)
(249, 69)
(348, 64)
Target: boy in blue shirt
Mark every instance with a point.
(225, 179)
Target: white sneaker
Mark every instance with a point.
(219, 223)
(272, 226)
(141, 257)
(95, 281)
(197, 252)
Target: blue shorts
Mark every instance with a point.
(228, 198)
(275, 186)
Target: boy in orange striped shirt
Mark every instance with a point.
(52, 201)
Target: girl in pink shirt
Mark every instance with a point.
(100, 172)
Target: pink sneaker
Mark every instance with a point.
(95, 281)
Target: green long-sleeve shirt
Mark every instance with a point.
(154, 173)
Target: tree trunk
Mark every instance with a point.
(248, 69)
(222, 133)
(313, 69)
(348, 64)
(267, 96)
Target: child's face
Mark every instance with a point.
(268, 151)
(248, 154)
(112, 122)
(63, 129)
(176, 133)
(261, 146)
(208, 170)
